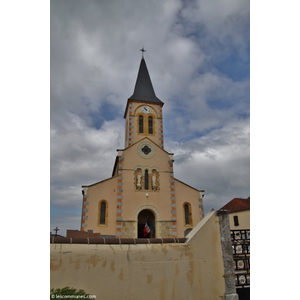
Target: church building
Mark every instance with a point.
(142, 198)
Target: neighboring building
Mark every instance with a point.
(239, 220)
(142, 188)
(239, 216)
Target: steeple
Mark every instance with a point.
(143, 90)
(143, 113)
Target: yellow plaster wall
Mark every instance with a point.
(244, 220)
(155, 271)
(132, 198)
(186, 194)
(132, 158)
(106, 190)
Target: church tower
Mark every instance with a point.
(142, 198)
(143, 113)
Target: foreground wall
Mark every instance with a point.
(190, 270)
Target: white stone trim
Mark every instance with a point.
(142, 154)
(150, 207)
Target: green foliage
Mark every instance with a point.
(66, 291)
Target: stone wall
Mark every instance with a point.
(190, 270)
(165, 228)
(129, 229)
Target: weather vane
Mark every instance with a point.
(143, 50)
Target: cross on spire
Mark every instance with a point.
(143, 50)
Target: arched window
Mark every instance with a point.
(150, 125)
(187, 214)
(141, 124)
(102, 213)
(146, 180)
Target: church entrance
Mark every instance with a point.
(146, 224)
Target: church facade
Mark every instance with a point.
(142, 198)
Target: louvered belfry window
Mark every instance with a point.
(141, 124)
(150, 125)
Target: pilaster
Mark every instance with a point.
(119, 198)
(200, 201)
(130, 124)
(160, 128)
(85, 209)
(173, 200)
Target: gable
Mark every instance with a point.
(146, 153)
(186, 185)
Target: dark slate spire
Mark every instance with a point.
(143, 90)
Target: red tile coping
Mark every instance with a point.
(111, 241)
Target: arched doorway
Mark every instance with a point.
(146, 216)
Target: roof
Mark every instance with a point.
(143, 88)
(99, 181)
(145, 138)
(189, 185)
(237, 204)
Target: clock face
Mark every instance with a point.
(146, 109)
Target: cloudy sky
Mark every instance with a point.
(198, 57)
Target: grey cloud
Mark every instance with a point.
(218, 163)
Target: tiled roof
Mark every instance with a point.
(237, 204)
